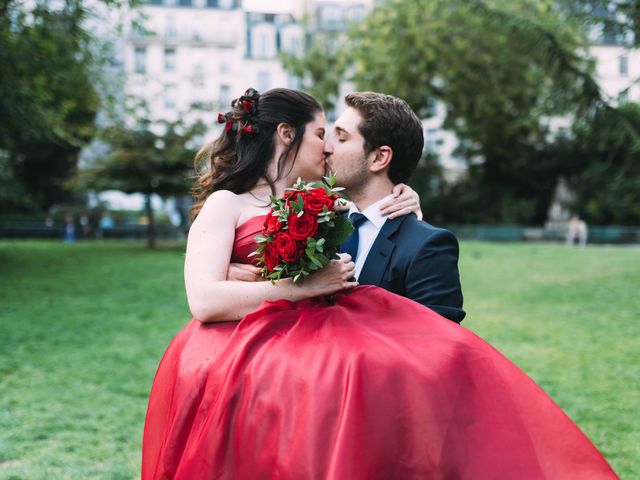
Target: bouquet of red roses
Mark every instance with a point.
(302, 231)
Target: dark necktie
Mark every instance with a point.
(350, 245)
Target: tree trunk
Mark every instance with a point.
(151, 226)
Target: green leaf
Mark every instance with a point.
(342, 230)
(300, 202)
(316, 262)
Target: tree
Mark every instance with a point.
(501, 68)
(49, 100)
(614, 20)
(321, 69)
(147, 162)
(605, 159)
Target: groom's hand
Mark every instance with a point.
(243, 272)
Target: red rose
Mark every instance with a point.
(317, 200)
(271, 257)
(302, 227)
(247, 105)
(287, 247)
(293, 195)
(272, 224)
(288, 194)
(222, 118)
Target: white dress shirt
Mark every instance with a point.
(369, 230)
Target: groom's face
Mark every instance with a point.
(344, 152)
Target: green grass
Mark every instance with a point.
(83, 326)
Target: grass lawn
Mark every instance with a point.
(83, 326)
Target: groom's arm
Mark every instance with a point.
(243, 272)
(433, 279)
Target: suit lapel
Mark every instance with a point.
(378, 257)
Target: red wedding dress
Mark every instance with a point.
(371, 386)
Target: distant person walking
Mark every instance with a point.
(105, 225)
(578, 231)
(69, 229)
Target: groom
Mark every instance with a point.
(377, 143)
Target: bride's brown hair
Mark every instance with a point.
(237, 160)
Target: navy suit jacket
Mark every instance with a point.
(418, 261)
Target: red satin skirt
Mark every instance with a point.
(370, 386)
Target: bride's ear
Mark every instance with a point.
(286, 133)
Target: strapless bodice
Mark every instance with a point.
(245, 244)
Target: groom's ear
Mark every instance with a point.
(380, 159)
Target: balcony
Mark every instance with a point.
(219, 39)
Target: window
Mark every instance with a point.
(291, 39)
(170, 28)
(224, 97)
(140, 59)
(170, 93)
(212, 3)
(225, 60)
(331, 17)
(624, 65)
(185, 3)
(263, 41)
(170, 59)
(293, 81)
(356, 13)
(264, 81)
(138, 31)
(623, 97)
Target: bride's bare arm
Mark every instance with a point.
(405, 201)
(211, 297)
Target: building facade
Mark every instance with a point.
(190, 58)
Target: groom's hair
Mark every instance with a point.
(388, 120)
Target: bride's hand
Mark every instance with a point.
(405, 201)
(341, 205)
(336, 276)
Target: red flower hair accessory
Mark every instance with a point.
(250, 129)
(246, 122)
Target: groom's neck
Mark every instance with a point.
(375, 189)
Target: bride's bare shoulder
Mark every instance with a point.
(221, 197)
(225, 206)
(222, 206)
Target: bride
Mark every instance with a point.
(271, 381)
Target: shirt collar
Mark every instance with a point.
(372, 212)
